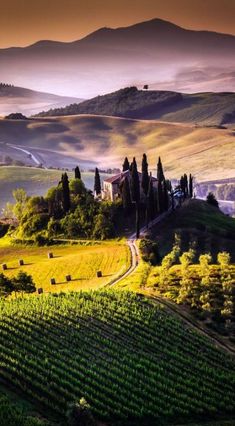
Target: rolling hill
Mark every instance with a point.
(208, 153)
(201, 108)
(28, 102)
(155, 52)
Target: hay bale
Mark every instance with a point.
(21, 262)
(52, 280)
(40, 290)
(50, 255)
(4, 266)
(99, 274)
(68, 278)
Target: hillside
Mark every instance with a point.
(155, 52)
(208, 153)
(201, 108)
(197, 221)
(130, 359)
(26, 101)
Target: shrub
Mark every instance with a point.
(149, 251)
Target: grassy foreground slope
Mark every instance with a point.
(132, 361)
(205, 152)
(80, 261)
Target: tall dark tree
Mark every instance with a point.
(160, 173)
(126, 195)
(186, 184)
(150, 210)
(190, 186)
(165, 196)
(77, 173)
(97, 184)
(135, 194)
(65, 193)
(145, 175)
(160, 197)
(160, 188)
(126, 165)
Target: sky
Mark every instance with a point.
(23, 22)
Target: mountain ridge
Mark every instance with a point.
(150, 52)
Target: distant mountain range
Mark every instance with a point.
(155, 52)
(28, 102)
(207, 109)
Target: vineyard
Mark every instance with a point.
(131, 360)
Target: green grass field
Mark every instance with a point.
(132, 360)
(80, 261)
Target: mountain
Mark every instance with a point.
(202, 108)
(26, 101)
(155, 52)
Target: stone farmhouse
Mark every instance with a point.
(111, 186)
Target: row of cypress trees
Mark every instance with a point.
(154, 201)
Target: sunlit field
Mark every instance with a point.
(82, 262)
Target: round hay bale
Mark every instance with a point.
(99, 274)
(68, 278)
(4, 266)
(52, 281)
(21, 262)
(50, 255)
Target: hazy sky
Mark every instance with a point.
(23, 22)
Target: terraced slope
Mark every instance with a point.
(132, 361)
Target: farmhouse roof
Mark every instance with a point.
(119, 176)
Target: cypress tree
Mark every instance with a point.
(150, 210)
(186, 185)
(145, 175)
(165, 196)
(160, 189)
(135, 194)
(160, 197)
(97, 184)
(65, 192)
(126, 196)
(160, 174)
(190, 186)
(135, 184)
(182, 186)
(77, 173)
(126, 165)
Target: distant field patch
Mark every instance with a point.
(82, 262)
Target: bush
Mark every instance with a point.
(41, 240)
(149, 251)
(212, 200)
